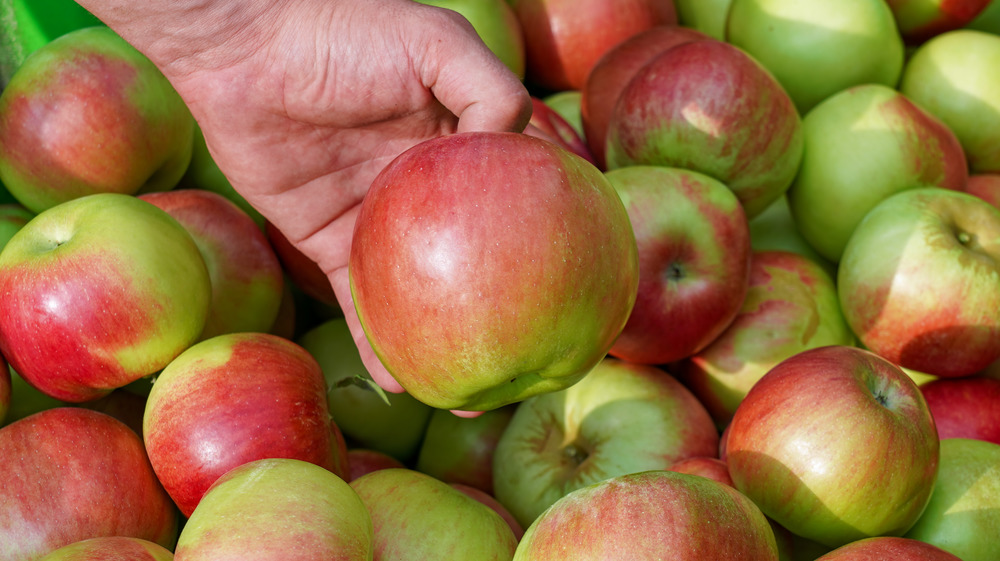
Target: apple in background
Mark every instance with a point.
(918, 281)
(278, 508)
(418, 517)
(694, 261)
(709, 107)
(953, 76)
(965, 407)
(986, 186)
(816, 49)
(5, 390)
(87, 113)
(13, 217)
(707, 16)
(117, 548)
(650, 515)
(362, 461)
(775, 230)
(303, 271)
(565, 38)
(988, 20)
(491, 501)
(233, 399)
(835, 444)
(27, 400)
(621, 418)
(393, 424)
(72, 474)
(568, 104)
(612, 72)
(791, 306)
(705, 466)
(920, 20)
(461, 450)
(964, 512)
(881, 548)
(489, 267)
(862, 145)
(126, 406)
(98, 292)
(548, 124)
(497, 26)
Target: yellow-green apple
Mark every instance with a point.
(277, 508)
(882, 548)
(621, 418)
(496, 24)
(612, 72)
(491, 501)
(791, 306)
(707, 16)
(954, 77)
(364, 460)
(460, 449)
(548, 124)
(98, 292)
(232, 399)
(920, 20)
(13, 216)
(862, 145)
(418, 517)
(108, 548)
(965, 407)
(71, 474)
(565, 38)
(694, 261)
(963, 516)
(88, 113)
(569, 105)
(489, 267)
(835, 444)
(816, 49)
(393, 424)
(918, 281)
(654, 514)
(707, 106)
(775, 229)
(986, 186)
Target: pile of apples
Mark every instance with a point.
(734, 294)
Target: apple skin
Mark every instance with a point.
(816, 49)
(612, 72)
(965, 407)
(694, 261)
(362, 461)
(706, 16)
(791, 306)
(6, 387)
(548, 124)
(569, 105)
(862, 145)
(953, 76)
(835, 444)
(775, 229)
(111, 548)
(71, 474)
(964, 512)
(621, 418)
(986, 186)
(246, 277)
(650, 515)
(705, 466)
(418, 517)
(523, 244)
(880, 548)
(277, 508)
(13, 217)
(988, 20)
(709, 107)
(98, 292)
(461, 450)
(491, 501)
(233, 399)
(496, 24)
(917, 281)
(920, 20)
(87, 113)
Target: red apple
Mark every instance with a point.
(489, 267)
(111, 548)
(919, 20)
(362, 461)
(986, 186)
(965, 407)
(5, 390)
(881, 548)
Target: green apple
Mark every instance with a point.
(818, 48)
(117, 548)
(497, 26)
(920, 20)
(707, 16)
(988, 20)
(13, 216)
(460, 449)
(568, 104)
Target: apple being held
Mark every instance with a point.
(98, 292)
(918, 281)
(87, 113)
(835, 444)
(117, 548)
(920, 20)
(965, 407)
(489, 267)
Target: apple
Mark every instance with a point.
(28, 25)
(71, 474)
(709, 107)
(565, 38)
(126, 406)
(117, 548)
(232, 399)
(5, 390)
(27, 400)
(363, 460)
(953, 76)
(988, 20)
(85, 114)
(98, 292)
(548, 124)
(568, 104)
(621, 418)
(835, 444)
(706, 466)
(612, 72)
(964, 512)
(706, 16)
(816, 49)
(918, 281)
(497, 26)
(491, 501)
(862, 145)
(305, 273)
(393, 423)
(791, 306)
(489, 267)
(418, 517)
(775, 230)
(278, 508)
(920, 20)
(986, 186)
(694, 261)
(965, 407)
(650, 515)
(13, 217)
(880, 548)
